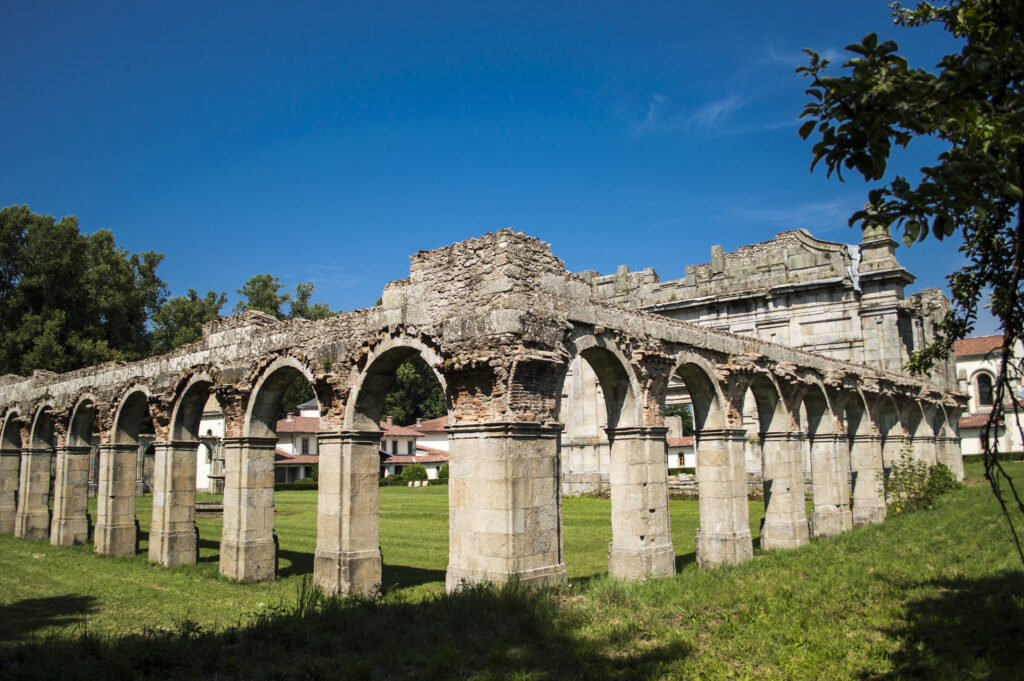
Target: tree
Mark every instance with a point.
(301, 307)
(974, 103)
(68, 299)
(416, 394)
(180, 320)
(684, 412)
(261, 293)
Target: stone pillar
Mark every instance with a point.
(641, 540)
(724, 533)
(504, 504)
(70, 523)
(348, 559)
(785, 511)
(247, 550)
(32, 520)
(950, 454)
(868, 494)
(830, 480)
(10, 465)
(924, 448)
(172, 534)
(892, 449)
(115, 501)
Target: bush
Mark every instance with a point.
(305, 483)
(442, 474)
(913, 485)
(684, 470)
(392, 481)
(414, 472)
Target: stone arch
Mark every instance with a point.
(132, 408)
(10, 435)
(81, 419)
(615, 374)
(641, 539)
(43, 428)
(365, 404)
(723, 535)
(261, 412)
(866, 468)
(785, 519)
(918, 429)
(886, 418)
(188, 406)
(10, 468)
(349, 561)
(702, 384)
(829, 458)
(773, 416)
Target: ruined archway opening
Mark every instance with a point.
(402, 408)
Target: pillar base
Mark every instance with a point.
(715, 548)
(248, 561)
(115, 540)
(868, 515)
(538, 577)
(784, 535)
(831, 521)
(172, 548)
(640, 563)
(32, 525)
(7, 521)
(347, 573)
(70, 532)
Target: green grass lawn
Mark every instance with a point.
(933, 594)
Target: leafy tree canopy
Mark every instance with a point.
(262, 292)
(69, 299)
(180, 320)
(416, 394)
(973, 102)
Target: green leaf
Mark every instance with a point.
(806, 129)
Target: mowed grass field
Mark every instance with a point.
(933, 594)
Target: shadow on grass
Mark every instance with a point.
(974, 629)
(479, 632)
(401, 576)
(21, 619)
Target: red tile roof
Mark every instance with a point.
(680, 441)
(405, 458)
(299, 424)
(430, 450)
(982, 345)
(432, 426)
(398, 431)
(283, 458)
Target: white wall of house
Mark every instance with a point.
(973, 372)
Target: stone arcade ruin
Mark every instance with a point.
(500, 320)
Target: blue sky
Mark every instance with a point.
(328, 142)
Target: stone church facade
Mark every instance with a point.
(844, 301)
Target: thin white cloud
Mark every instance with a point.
(662, 116)
(817, 216)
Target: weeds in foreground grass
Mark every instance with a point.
(913, 485)
(937, 594)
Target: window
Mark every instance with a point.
(984, 390)
(305, 446)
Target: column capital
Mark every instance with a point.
(636, 432)
(504, 429)
(739, 434)
(782, 436)
(359, 437)
(250, 442)
(111, 447)
(74, 450)
(866, 437)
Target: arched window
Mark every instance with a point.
(984, 390)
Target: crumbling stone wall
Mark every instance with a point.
(500, 320)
